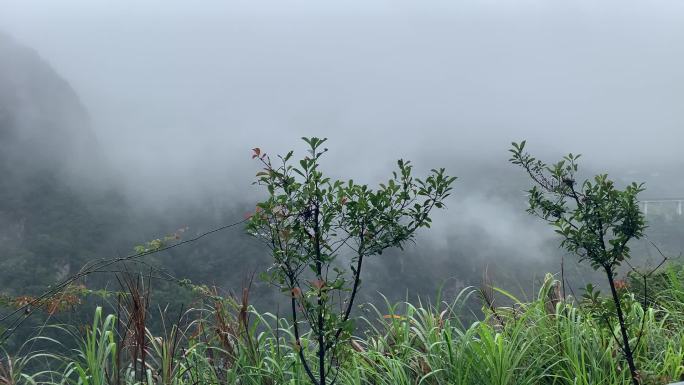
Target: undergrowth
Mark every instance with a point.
(551, 340)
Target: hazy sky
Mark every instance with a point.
(181, 88)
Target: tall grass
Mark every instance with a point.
(549, 340)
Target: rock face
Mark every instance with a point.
(43, 125)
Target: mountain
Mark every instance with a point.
(48, 159)
(43, 125)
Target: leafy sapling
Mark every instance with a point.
(310, 221)
(595, 219)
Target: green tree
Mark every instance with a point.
(595, 219)
(315, 226)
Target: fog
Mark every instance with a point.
(179, 92)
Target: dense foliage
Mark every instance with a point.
(550, 340)
(310, 221)
(595, 219)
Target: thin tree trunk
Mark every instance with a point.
(321, 323)
(623, 329)
(299, 345)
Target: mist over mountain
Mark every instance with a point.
(125, 126)
(61, 207)
(145, 235)
(53, 157)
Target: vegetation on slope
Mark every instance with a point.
(632, 336)
(551, 340)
